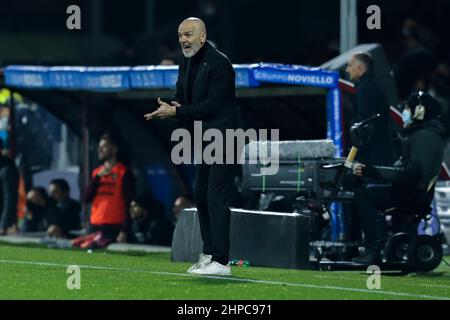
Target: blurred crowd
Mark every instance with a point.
(117, 212)
(421, 59)
(417, 50)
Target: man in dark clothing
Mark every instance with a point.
(9, 186)
(148, 223)
(110, 191)
(206, 92)
(66, 213)
(38, 210)
(414, 66)
(370, 100)
(411, 178)
(378, 149)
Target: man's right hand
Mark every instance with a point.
(358, 169)
(105, 171)
(164, 110)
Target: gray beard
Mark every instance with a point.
(192, 53)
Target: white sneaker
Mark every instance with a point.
(203, 260)
(214, 268)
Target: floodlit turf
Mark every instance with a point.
(40, 273)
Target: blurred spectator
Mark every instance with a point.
(412, 70)
(9, 186)
(66, 215)
(167, 62)
(148, 223)
(4, 118)
(440, 80)
(440, 89)
(182, 202)
(128, 55)
(38, 210)
(110, 191)
(33, 137)
(169, 59)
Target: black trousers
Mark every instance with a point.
(369, 200)
(213, 191)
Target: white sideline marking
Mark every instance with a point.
(291, 284)
(406, 284)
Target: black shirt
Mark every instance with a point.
(194, 64)
(66, 215)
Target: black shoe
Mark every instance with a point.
(368, 257)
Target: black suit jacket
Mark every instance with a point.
(213, 92)
(370, 100)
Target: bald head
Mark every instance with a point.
(192, 36)
(196, 22)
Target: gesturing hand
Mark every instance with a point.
(105, 171)
(164, 111)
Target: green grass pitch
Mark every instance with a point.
(40, 273)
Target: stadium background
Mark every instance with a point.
(143, 32)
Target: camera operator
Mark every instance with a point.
(410, 180)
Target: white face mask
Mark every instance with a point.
(406, 116)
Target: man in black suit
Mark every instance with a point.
(370, 100)
(379, 147)
(206, 92)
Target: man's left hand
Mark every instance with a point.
(164, 111)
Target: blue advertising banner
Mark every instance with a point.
(146, 77)
(244, 75)
(334, 120)
(105, 78)
(295, 74)
(65, 77)
(35, 77)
